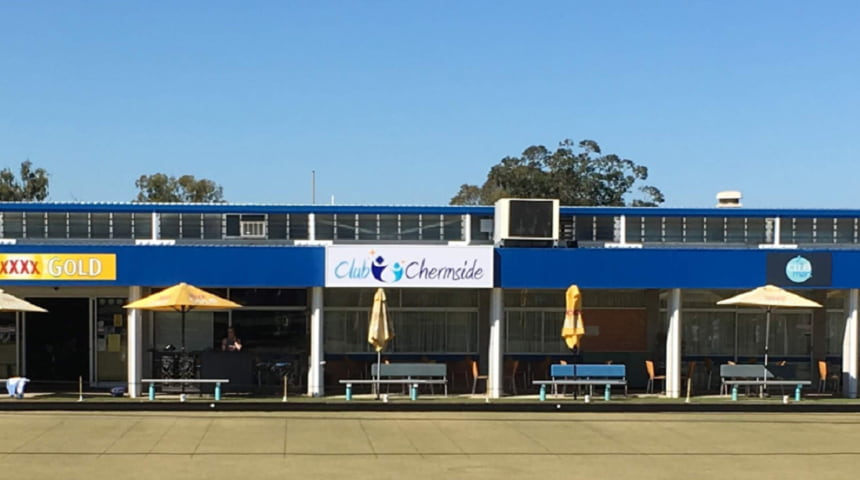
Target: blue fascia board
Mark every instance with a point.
(205, 266)
(654, 268)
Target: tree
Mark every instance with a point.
(585, 177)
(158, 187)
(32, 186)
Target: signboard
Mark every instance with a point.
(799, 269)
(59, 266)
(409, 266)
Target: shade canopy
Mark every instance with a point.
(379, 332)
(182, 298)
(770, 296)
(573, 329)
(11, 303)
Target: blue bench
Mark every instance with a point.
(755, 376)
(584, 374)
(411, 374)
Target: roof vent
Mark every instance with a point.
(729, 198)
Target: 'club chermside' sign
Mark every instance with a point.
(799, 269)
(57, 266)
(409, 266)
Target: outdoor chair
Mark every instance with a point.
(476, 377)
(825, 377)
(649, 367)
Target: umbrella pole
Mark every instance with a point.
(378, 366)
(766, 340)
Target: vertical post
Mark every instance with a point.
(217, 391)
(543, 392)
(152, 390)
(348, 392)
(673, 345)
(316, 383)
(134, 344)
(734, 393)
(606, 393)
(413, 392)
(850, 345)
(494, 382)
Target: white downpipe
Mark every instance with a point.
(673, 345)
(494, 357)
(135, 344)
(850, 345)
(316, 369)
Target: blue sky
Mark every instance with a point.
(401, 102)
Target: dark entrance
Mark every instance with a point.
(57, 346)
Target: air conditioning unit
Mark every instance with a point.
(526, 222)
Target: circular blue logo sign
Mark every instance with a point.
(798, 269)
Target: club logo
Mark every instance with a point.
(798, 269)
(385, 273)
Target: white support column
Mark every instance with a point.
(673, 345)
(134, 344)
(312, 227)
(316, 369)
(494, 357)
(156, 229)
(850, 345)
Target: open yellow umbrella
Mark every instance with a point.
(182, 298)
(379, 332)
(769, 296)
(572, 330)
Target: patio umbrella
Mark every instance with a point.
(379, 332)
(11, 303)
(769, 296)
(572, 329)
(182, 298)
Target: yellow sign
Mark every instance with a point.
(57, 266)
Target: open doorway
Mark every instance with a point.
(57, 342)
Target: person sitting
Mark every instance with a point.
(231, 343)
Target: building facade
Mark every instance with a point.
(306, 275)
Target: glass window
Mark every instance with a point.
(57, 225)
(142, 225)
(410, 227)
(835, 332)
(389, 227)
(277, 226)
(212, 226)
(35, 224)
(298, 227)
(346, 331)
(271, 297)
(198, 330)
(367, 227)
(122, 225)
(79, 225)
(431, 227)
(8, 338)
(100, 226)
(169, 225)
(192, 227)
(271, 331)
(344, 227)
(13, 225)
(452, 228)
(708, 333)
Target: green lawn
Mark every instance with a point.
(369, 445)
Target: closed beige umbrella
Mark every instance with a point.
(379, 332)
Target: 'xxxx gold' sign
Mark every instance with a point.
(57, 266)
